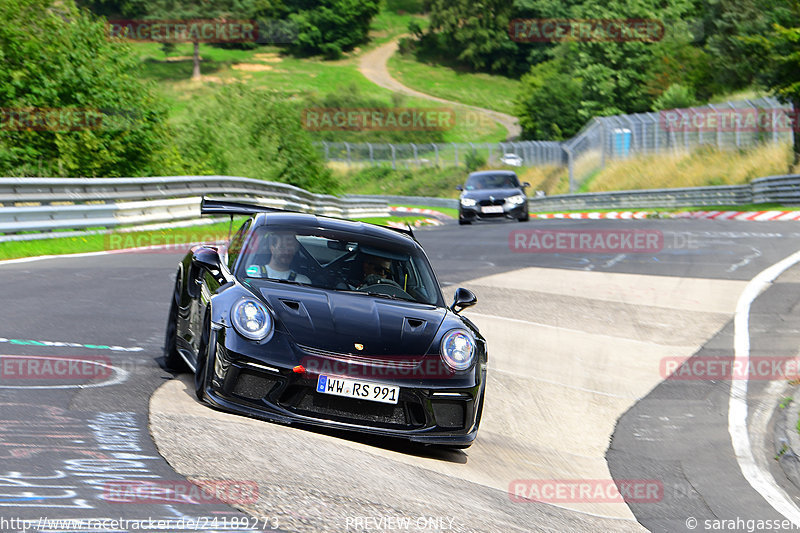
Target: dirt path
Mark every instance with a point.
(373, 66)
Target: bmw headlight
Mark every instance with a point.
(458, 349)
(516, 199)
(251, 319)
(468, 202)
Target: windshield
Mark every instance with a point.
(339, 261)
(492, 181)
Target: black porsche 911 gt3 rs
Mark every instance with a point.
(323, 321)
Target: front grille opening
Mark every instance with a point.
(496, 201)
(449, 414)
(416, 414)
(352, 409)
(253, 386)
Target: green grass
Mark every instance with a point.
(478, 89)
(446, 210)
(175, 239)
(392, 21)
(267, 68)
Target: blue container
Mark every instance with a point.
(622, 142)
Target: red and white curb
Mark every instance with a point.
(741, 215)
(622, 215)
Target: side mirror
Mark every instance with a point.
(208, 259)
(459, 188)
(526, 184)
(463, 298)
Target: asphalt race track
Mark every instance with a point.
(580, 346)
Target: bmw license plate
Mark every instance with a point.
(352, 388)
(492, 209)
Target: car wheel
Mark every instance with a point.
(205, 358)
(524, 218)
(172, 359)
(463, 222)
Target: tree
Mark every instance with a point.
(548, 104)
(676, 96)
(185, 10)
(257, 134)
(780, 67)
(475, 32)
(729, 25)
(55, 58)
(330, 27)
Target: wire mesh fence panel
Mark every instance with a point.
(729, 125)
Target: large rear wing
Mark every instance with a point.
(225, 207)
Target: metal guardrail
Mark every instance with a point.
(46, 204)
(688, 197)
(427, 201)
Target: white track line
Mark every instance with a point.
(760, 479)
(121, 374)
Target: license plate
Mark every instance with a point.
(364, 390)
(492, 209)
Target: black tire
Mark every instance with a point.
(172, 359)
(205, 358)
(463, 222)
(525, 218)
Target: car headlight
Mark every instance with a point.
(516, 199)
(468, 202)
(458, 349)
(251, 319)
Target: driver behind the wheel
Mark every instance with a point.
(376, 269)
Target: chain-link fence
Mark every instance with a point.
(411, 155)
(725, 126)
(730, 125)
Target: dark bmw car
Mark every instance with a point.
(314, 320)
(492, 194)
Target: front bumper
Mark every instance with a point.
(440, 411)
(514, 212)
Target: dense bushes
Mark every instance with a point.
(705, 48)
(55, 57)
(57, 62)
(255, 134)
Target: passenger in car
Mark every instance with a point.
(283, 246)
